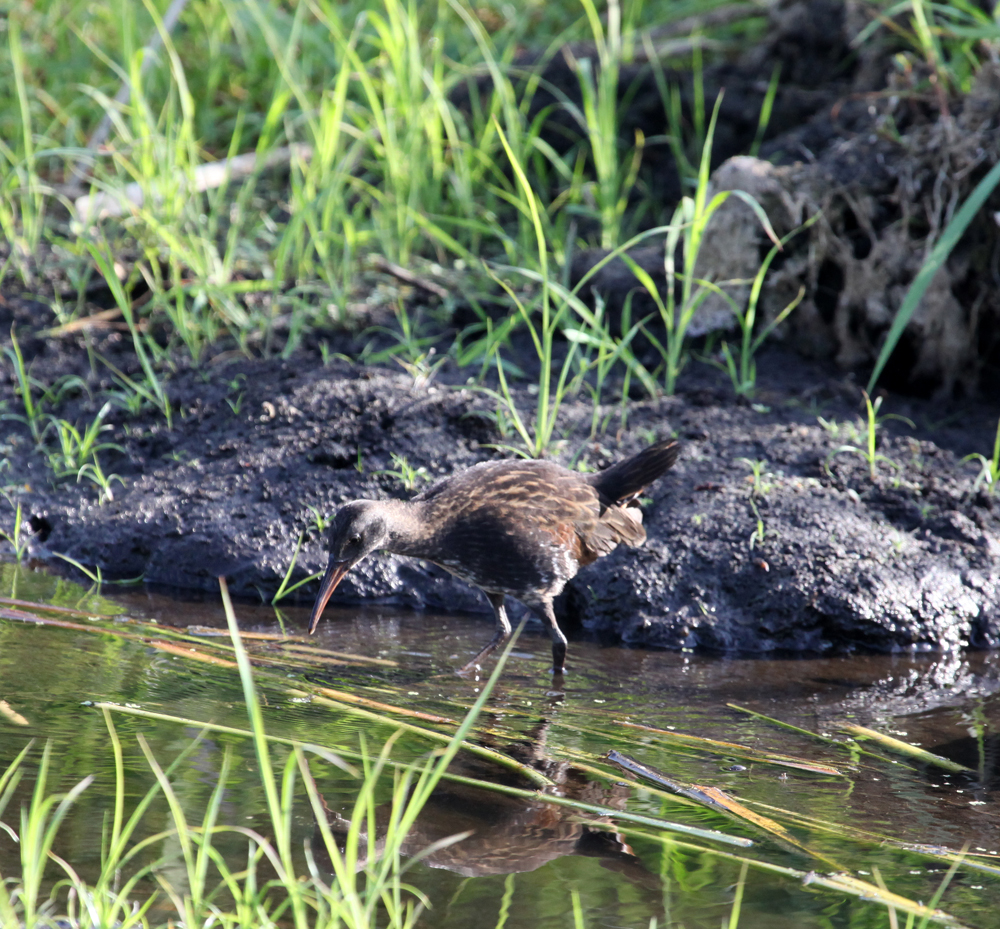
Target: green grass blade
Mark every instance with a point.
(905, 748)
(938, 256)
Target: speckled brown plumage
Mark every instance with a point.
(517, 529)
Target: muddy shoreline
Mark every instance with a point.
(803, 559)
(762, 539)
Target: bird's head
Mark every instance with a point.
(358, 529)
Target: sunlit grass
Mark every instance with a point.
(388, 119)
(397, 127)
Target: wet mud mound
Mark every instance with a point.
(762, 538)
(795, 558)
(860, 143)
(882, 200)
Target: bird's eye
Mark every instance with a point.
(354, 540)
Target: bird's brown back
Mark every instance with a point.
(517, 526)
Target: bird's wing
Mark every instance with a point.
(572, 511)
(616, 524)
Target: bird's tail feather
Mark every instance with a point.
(627, 478)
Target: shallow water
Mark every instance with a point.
(524, 859)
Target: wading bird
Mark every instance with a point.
(511, 528)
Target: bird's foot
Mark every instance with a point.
(472, 670)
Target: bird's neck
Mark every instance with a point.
(407, 531)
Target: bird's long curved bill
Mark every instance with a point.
(335, 572)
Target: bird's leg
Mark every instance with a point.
(501, 635)
(544, 611)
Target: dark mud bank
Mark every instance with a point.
(799, 559)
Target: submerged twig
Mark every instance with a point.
(719, 800)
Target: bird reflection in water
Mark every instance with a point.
(502, 834)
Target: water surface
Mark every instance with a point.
(523, 859)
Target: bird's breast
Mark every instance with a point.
(501, 556)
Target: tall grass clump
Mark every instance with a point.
(405, 155)
(555, 311)
(599, 91)
(400, 128)
(190, 241)
(684, 291)
(380, 157)
(22, 189)
(537, 435)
